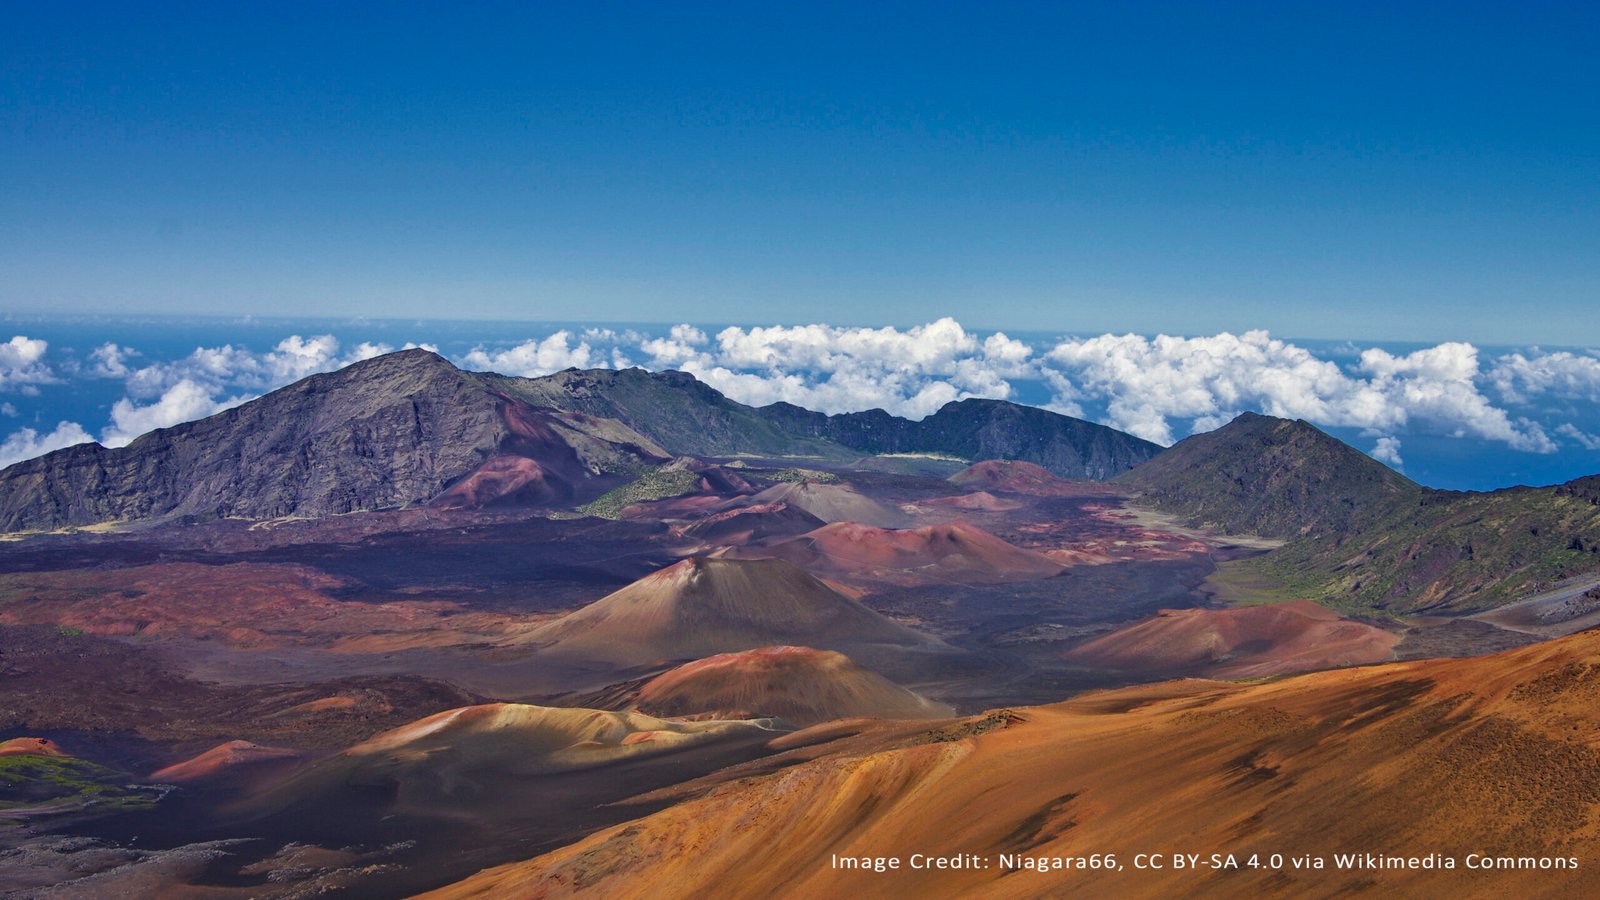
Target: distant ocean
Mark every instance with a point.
(1446, 440)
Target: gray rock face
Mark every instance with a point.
(384, 433)
(1272, 477)
(408, 427)
(978, 430)
(686, 416)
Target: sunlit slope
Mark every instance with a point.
(1497, 755)
(797, 684)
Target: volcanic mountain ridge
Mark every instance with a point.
(408, 428)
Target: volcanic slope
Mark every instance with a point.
(750, 523)
(978, 501)
(1361, 536)
(1015, 477)
(222, 760)
(496, 761)
(388, 432)
(976, 429)
(830, 503)
(700, 607)
(1244, 642)
(1271, 477)
(680, 413)
(796, 684)
(1454, 551)
(1494, 756)
(954, 552)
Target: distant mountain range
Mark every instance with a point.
(680, 413)
(1360, 535)
(410, 428)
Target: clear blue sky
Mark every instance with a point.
(1391, 171)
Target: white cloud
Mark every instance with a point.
(1437, 387)
(203, 383)
(183, 402)
(534, 357)
(22, 365)
(1388, 450)
(218, 369)
(910, 372)
(111, 361)
(8, 410)
(680, 348)
(1569, 376)
(1582, 438)
(1160, 388)
(1149, 384)
(26, 443)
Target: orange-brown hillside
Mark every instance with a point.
(220, 760)
(940, 553)
(1497, 756)
(797, 684)
(31, 746)
(501, 760)
(1243, 642)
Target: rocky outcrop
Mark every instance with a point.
(686, 416)
(409, 428)
(978, 430)
(1273, 477)
(388, 432)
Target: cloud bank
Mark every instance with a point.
(1161, 388)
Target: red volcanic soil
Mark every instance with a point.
(797, 684)
(981, 501)
(220, 760)
(1017, 477)
(700, 607)
(31, 746)
(1243, 642)
(935, 553)
(504, 478)
(244, 605)
(750, 523)
(98, 686)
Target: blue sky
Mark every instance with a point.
(1381, 172)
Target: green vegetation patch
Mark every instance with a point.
(798, 475)
(655, 485)
(1449, 552)
(28, 780)
(1237, 583)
